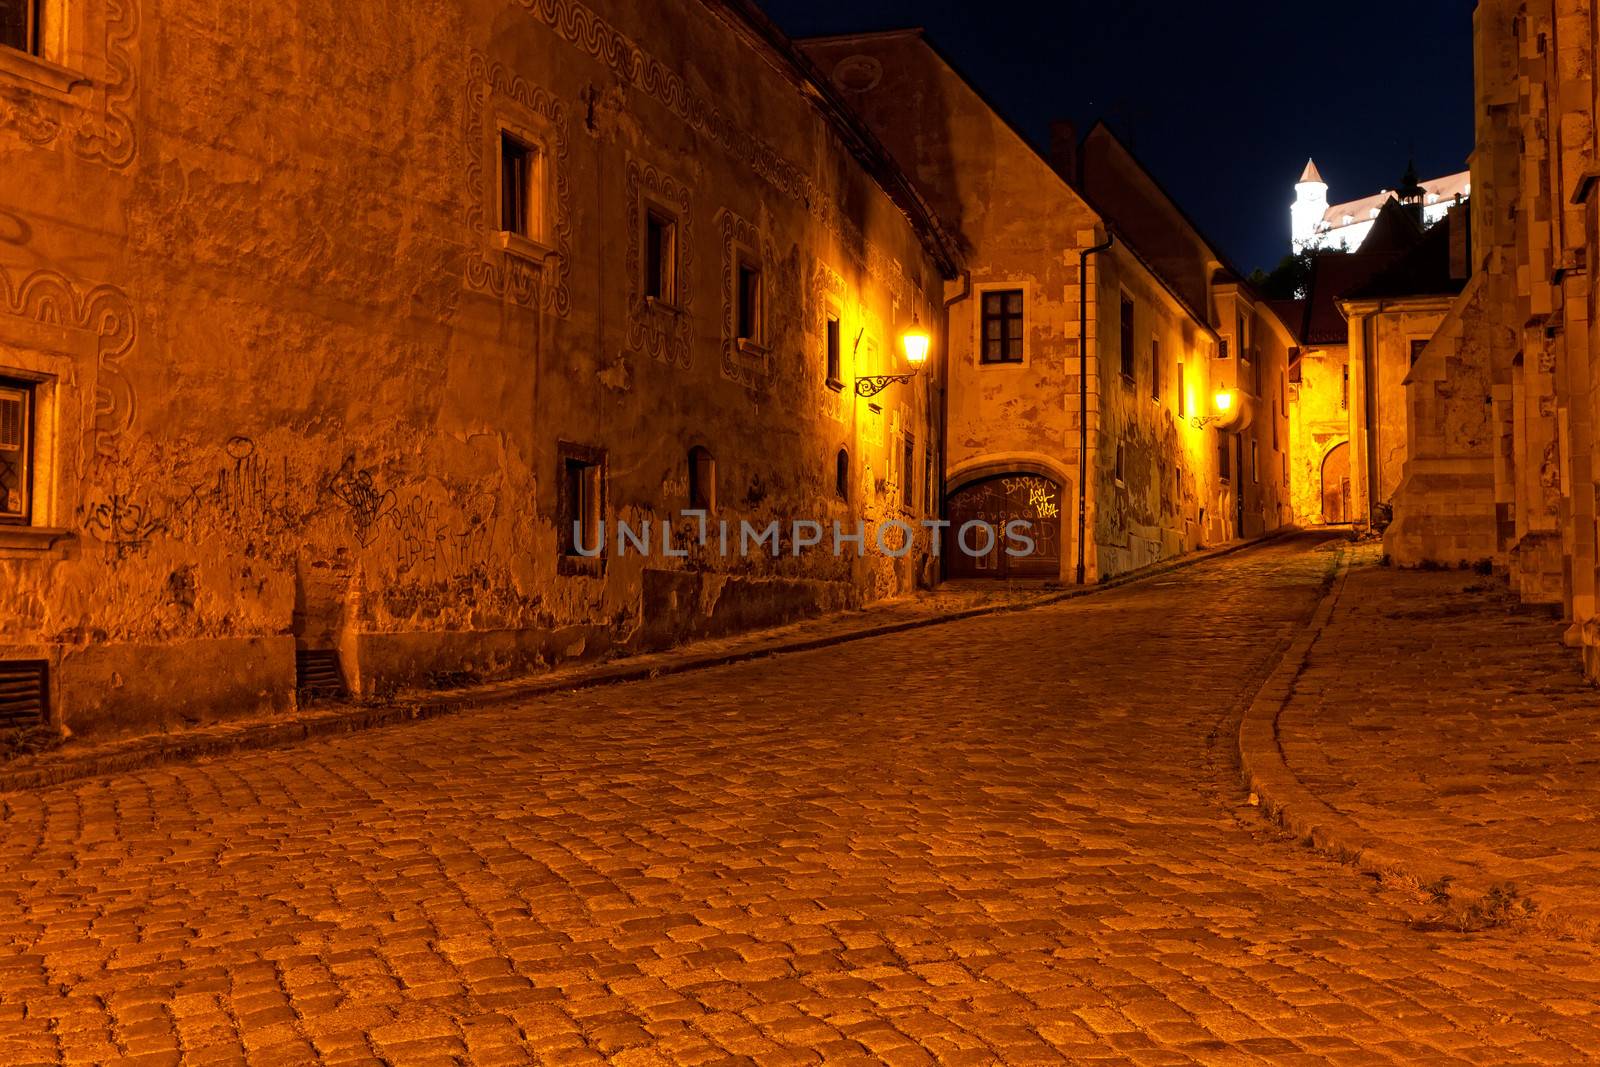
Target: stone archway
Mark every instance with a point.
(1336, 484)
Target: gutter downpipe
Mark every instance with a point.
(944, 401)
(1083, 390)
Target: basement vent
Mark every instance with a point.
(24, 693)
(317, 674)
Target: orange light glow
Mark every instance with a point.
(1223, 400)
(916, 343)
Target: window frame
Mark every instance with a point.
(747, 264)
(570, 459)
(1155, 369)
(1001, 290)
(908, 472)
(841, 475)
(666, 260)
(1127, 315)
(28, 390)
(833, 347)
(533, 241)
(702, 480)
(32, 30)
(1183, 393)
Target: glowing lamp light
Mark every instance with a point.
(916, 341)
(1223, 400)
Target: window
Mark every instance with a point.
(1417, 345)
(1117, 470)
(660, 257)
(1127, 338)
(20, 25)
(841, 475)
(1222, 348)
(1274, 424)
(930, 505)
(835, 353)
(1002, 326)
(702, 479)
(1255, 469)
(519, 204)
(1155, 369)
(16, 451)
(580, 507)
(1344, 390)
(1183, 395)
(748, 309)
(908, 474)
(1222, 457)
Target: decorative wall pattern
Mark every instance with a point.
(98, 125)
(663, 332)
(509, 276)
(50, 297)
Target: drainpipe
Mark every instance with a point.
(1083, 390)
(944, 402)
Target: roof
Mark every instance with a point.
(1292, 313)
(1424, 270)
(1394, 230)
(1333, 274)
(1447, 188)
(1310, 174)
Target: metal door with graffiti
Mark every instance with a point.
(997, 501)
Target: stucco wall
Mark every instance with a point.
(1319, 423)
(297, 390)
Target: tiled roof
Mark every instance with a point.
(1310, 173)
(1443, 189)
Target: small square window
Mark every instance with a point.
(661, 257)
(1002, 323)
(835, 351)
(16, 451)
(21, 23)
(748, 309)
(519, 186)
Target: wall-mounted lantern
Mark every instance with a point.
(915, 343)
(1225, 405)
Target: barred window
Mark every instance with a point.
(1002, 326)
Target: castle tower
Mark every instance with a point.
(1310, 204)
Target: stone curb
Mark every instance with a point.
(1287, 801)
(221, 739)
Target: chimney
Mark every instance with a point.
(1064, 149)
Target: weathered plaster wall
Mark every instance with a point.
(298, 396)
(1319, 423)
(1023, 226)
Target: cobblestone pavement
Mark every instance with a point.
(1011, 839)
(1438, 715)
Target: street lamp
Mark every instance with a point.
(1222, 400)
(915, 342)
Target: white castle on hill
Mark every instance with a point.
(1314, 224)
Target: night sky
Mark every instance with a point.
(1222, 101)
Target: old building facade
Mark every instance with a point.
(331, 337)
(1118, 438)
(1501, 402)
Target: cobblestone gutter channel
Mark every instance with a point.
(1286, 799)
(115, 757)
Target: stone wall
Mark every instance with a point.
(294, 391)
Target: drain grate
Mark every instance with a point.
(317, 673)
(24, 693)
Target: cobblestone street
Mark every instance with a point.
(1016, 838)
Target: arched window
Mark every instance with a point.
(841, 475)
(702, 479)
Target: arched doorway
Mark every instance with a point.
(1336, 484)
(998, 500)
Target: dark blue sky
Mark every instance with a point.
(1222, 100)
